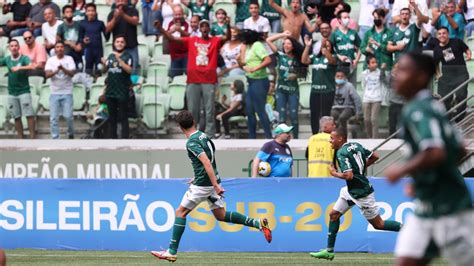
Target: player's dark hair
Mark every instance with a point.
(341, 132)
(423, 63)
(185, 119)
(66, 7)
(380, 12)
(91, 5)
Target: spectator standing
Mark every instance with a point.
(61, 68)
(199, 8)
(374, 82)
(179, 27)
(149, 17)
(236, 108)
(242, 12)
(18, 25)
(256, 22)
(230, 52)
(376, 40)
(219, 27)
(290, 69)
(294, 20)
(320, 153)
(71, 34)
(79, 9)
(346, 43)
(367, 8)
(19, 95)
(93, 31)
(123, 21)
(468, 8)
(36, 17)
(277, 153)
(194, 23)
(202, 71)
(398, 5)
(347, 102)
(450, 53)
(449, 18)
(35, 52)
(272, 15)
(323, 67)
(119, 66)
(405, 37)
(335, 23)
(49, 29)
(254, 59)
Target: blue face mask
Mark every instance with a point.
(340, 81)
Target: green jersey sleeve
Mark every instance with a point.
(25, 60)
(194, 147)
(3, 61)
(344, 162)
(425, 129)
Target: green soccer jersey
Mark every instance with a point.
(267, 11)
(439, 190)
(118, 81)
(285, 63)
(242, 12)
(345, 43)
(323, 74)
(380, 51)
(353, 156)
(198, 143)
(201, 11)
(17, 81)
(409, 36)
(217, 30)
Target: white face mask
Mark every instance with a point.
(345, 22)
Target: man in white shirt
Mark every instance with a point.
(50, 28)
(255, 21)
(61, 68)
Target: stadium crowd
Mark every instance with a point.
(227, 61)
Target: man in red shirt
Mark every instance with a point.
(178, 27)
(202, 70)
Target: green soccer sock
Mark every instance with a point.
(332, 233)
(178, 230)
(238, 218)
(391, 225)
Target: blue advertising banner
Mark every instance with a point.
(109, 214)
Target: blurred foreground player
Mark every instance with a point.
(205, 187)
(443, 219)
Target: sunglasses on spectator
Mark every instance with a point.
(27, 38)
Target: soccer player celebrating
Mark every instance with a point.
(353, 159)
(443, 217)
(205, 187)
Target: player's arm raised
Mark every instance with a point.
(210, 172)
(346, 175)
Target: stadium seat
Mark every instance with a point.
(177, 92)
(181, 79)
(157, 49)
(101, 80)
(305, 92)
(153, 113)
(3, 45)
(143, 57)
(224, 89)
(151, 89)
(3, 111)
(3, 89)
(103, 11)
(35, 102)
(79, 96)
(162, 59)
(6, 17)
(108, 48)
(45, 92)
(231, 80)
(157, 69)
(36, 82)
(96, 91)
(160, 80)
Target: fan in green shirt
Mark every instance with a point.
(242, 12)
(205, 187)
(199, 8)
(442, 199)
(219, 27)
(376, 40)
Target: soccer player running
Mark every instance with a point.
(353, 159)
(443, 216)
(205, 187)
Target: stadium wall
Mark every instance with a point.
(106, 214)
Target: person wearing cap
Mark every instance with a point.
(203, 52)
(277, 153)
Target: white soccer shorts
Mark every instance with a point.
(367, 205)
(198, 194)
(453, 235)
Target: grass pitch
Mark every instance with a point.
(71, 258)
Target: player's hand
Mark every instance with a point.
(87, 40)
(393, 173)
(286, 33)
(219, 190)
(15, 68)
(332, 170)
(311, 10)
(409, 190)
(60, 67)
(401, 46)
(249, 69)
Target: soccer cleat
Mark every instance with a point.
(266, 229)
(164, 255)
(322, 254)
